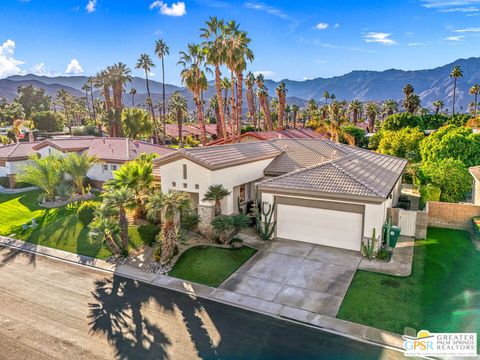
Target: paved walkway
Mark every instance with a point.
(297, 314)
(16, 191)
(401, 262)
(290, 274)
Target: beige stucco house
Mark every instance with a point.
(475, 172)
(325, 193)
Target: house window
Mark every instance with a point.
(197, 186)
(174, 184)
(242, 193)
(184, 185)
(49, 151)
(105, 167)
(185, 171)
(114, 167)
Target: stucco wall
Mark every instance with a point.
(3, 170)
(98, 173)
(451, 215)
(476, 192)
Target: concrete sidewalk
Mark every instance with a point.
(337, 326)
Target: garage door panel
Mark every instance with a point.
(320, 226)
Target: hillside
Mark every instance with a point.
(431, 85)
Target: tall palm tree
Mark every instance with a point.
(438, 104)
(389, 107)
(295, 110)
(77, 166)
(475, 90)
(263, 99)
(281, 91)
(162, 50)
(372, 110)
(104, 228)
(326, 96)
(216, 193)
(249, 82)
(455, 74)
(213, 34)
(355, 108)
(145, 62)
(102, 81)
(178, 106)
(120, 199)
(225, 83)
(408, 89)
(133, 92)
(215, 107)
(90, 83)
(120, 75)
(85, 88)
(194, 78)
(334, 122)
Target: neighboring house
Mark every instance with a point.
(475, 172)
(110, 152)
(271, 135)
(192, 131)
(325, 193)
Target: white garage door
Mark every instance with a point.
(320, 226)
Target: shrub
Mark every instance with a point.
(358, 134)
(433, 122)
(400, 121)
(64, 190)
(430, 192)
(190, 220)
(383, 254)
(49, 121)
(4, 182)
(227, 226)
(86, 212)
(148, 233)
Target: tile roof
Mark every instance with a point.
(106, 148)
(475, 171)
(359, 173)
(274, 134)
(215, 157)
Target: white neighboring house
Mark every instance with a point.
(475, 172)
(325, 193)
(110, 152)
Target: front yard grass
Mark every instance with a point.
(210, 265)
(57, 228)
(441, 295)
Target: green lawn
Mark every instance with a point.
(18, 209)
(210, 265)
(441, 295)
(57, 228)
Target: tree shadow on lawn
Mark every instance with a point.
(140, 321)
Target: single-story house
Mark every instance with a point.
(271, 135)
(475, 172)
(325, 193)
(110, 152)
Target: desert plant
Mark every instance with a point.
(64, 190)
(46, 173)
(368, 246)
(105, 228)
(77, 166)
(264, 223)
(86, 212)
(383, 254)
(216, 193)
(225, 227)
(148, 233)
(189, 220)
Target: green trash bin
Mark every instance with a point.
(394, 235)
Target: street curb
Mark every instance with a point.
(336, 326)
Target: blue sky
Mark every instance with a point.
(290, 39)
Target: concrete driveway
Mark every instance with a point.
(290, 275)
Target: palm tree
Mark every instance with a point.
(63, 96)
(354, 108)
(102, 81)
(120, 199)
(216, 193)
(77, 166)
(90, 83)
(133, 92)
(295, 110)
(455, 74)
(326, 96)
(178, 106)
(194, 78)
(213, 34)
(162, 50)
(172, 202)
(263, 99)
(225, 83)
(411, 103)
(389, 107)
(105, 228)
(408, 90)
(144, 62)
(334, 122)
(372, 110)
(249, 82)
(281, 91)
(120, 75)
(438, 104)
(213, 106)
(85, 88)
(475, 90)
(45, 173)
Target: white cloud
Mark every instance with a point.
(74, 67)
(8, 64)
(91, 6)
(176, 9)
(337, 25)
(415, 44)
(471, 29)
(266, 73)
(321, 26)
(469, 9)
(41, 70)
(454, 38)
(448, 3)
(379, 37)
(267, 8)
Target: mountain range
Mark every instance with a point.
(365, 85)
